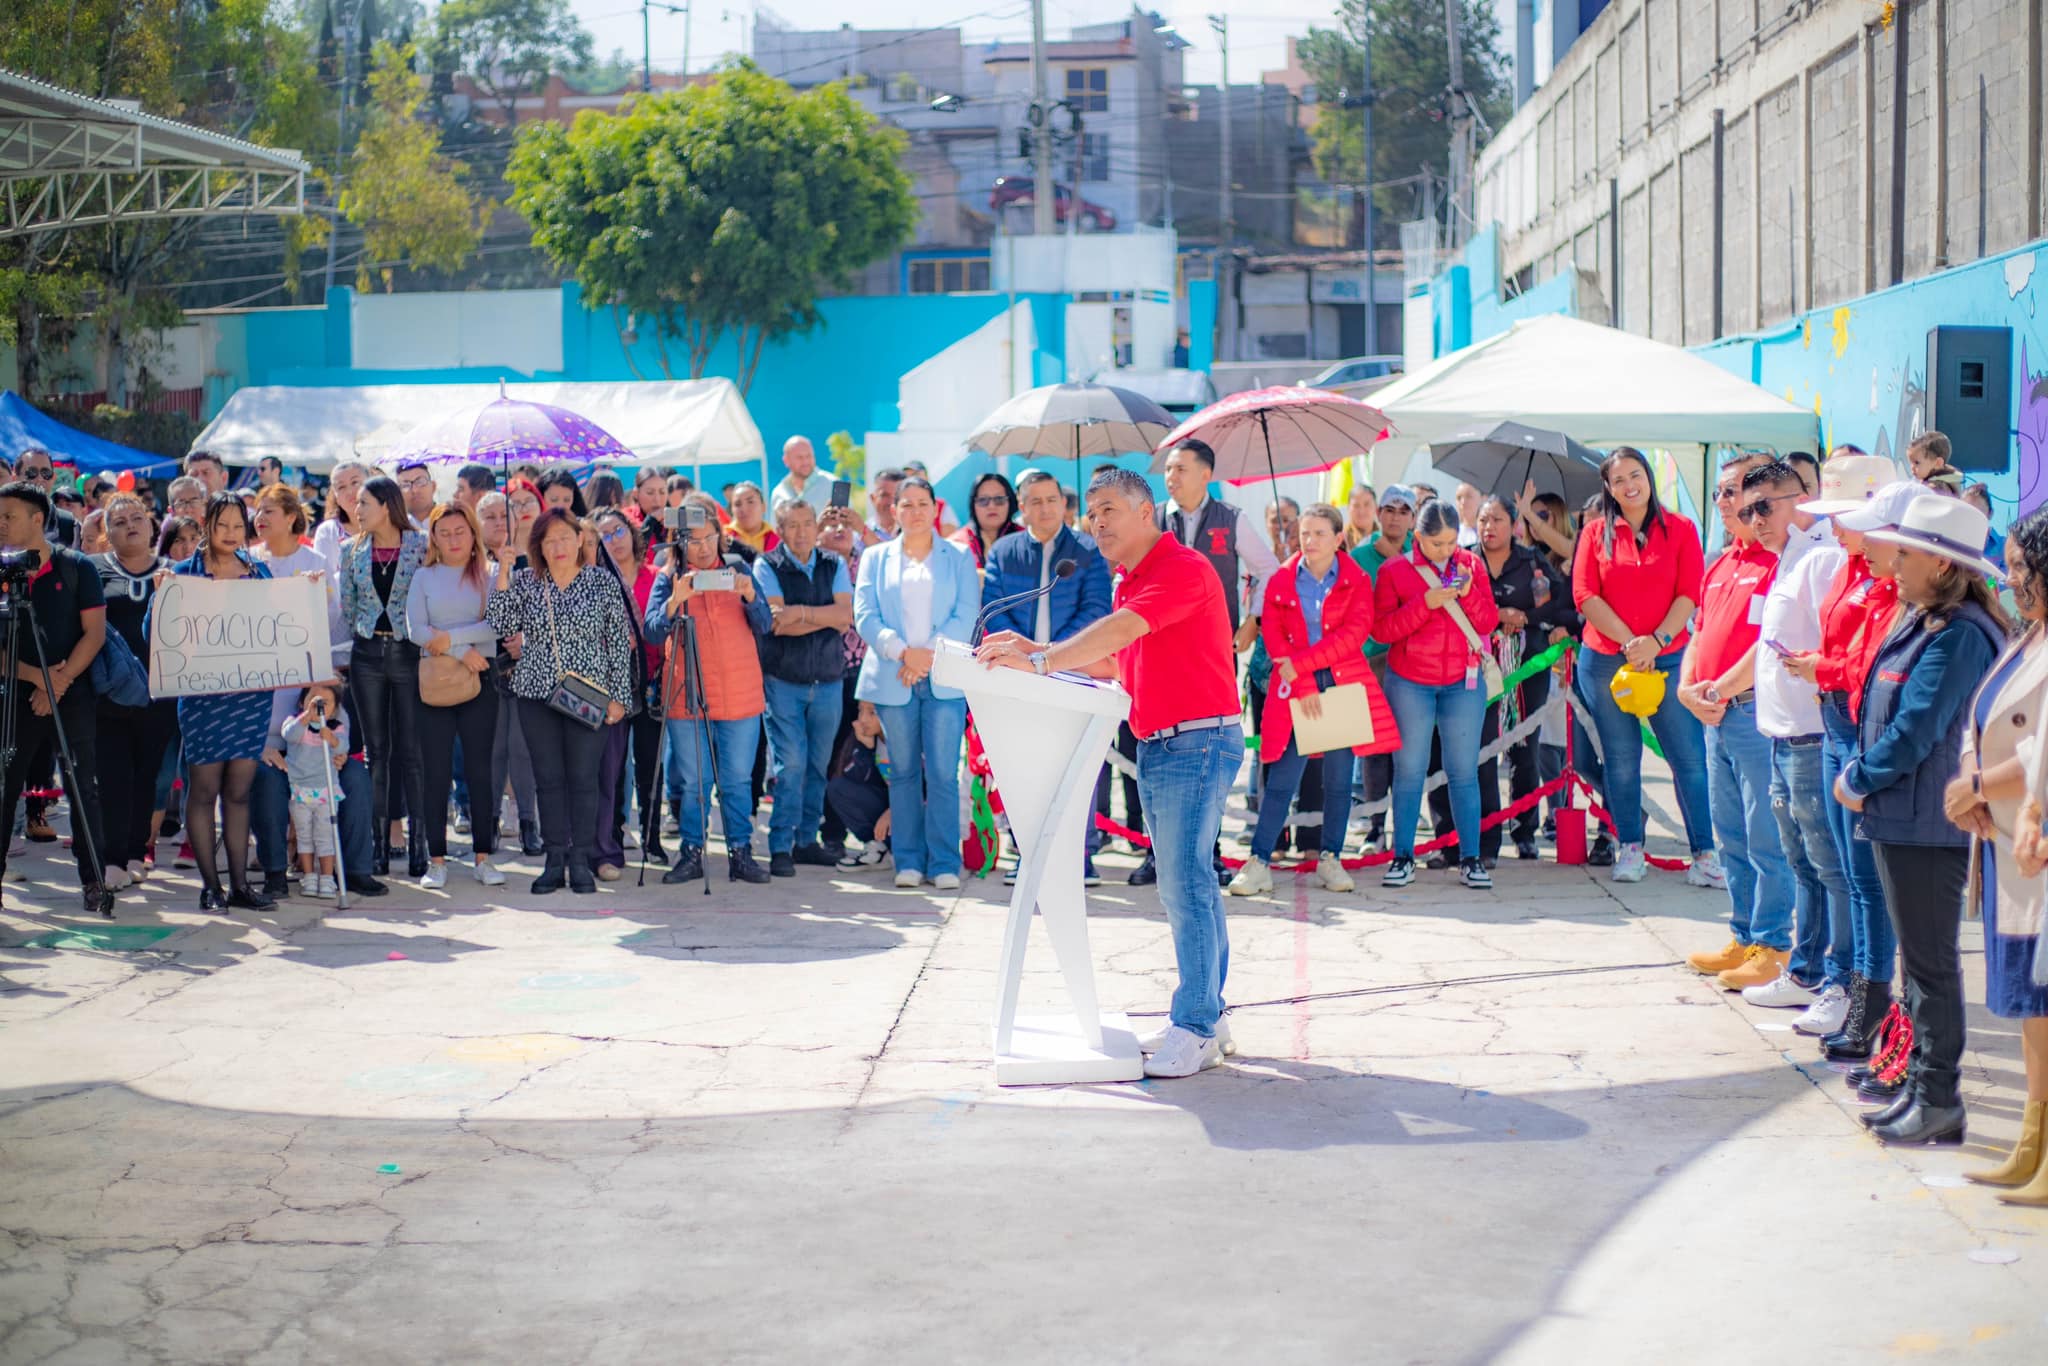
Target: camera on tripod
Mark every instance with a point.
(688, 517)
(17, 569)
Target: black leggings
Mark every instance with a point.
(133, 741)
(1923, 891)
(384, 677)
(565, 758)
(227, 782)
(476, 722)
(648, 734)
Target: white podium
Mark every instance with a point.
(1045, 739)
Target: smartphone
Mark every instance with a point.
(1783, 653)
(713, 581)
(842, 493)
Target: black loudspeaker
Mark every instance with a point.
(1969, 395)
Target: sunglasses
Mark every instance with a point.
(991, 501)
(27, 473)
(1762, 507)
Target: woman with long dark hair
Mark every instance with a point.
(572, 619)
(621, 547)
(1636, 580)
(444, 615)
(559, 489)
(223, 732)
(1987, 799)
(384, 670)
(1535, 605)
(991, 515)
(1915, 711)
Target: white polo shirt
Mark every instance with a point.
(1787, 706)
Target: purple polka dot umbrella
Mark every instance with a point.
(508, 430)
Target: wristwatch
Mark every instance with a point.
(1037, 660)
(1663, 640)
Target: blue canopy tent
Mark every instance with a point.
(23, 425)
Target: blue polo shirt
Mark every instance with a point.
(1313, 590)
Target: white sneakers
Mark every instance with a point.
(114, 877)
(946, 882)
(1630, 863)
(488, 875)
(1330, 872)
(1252, 879)
(320, 885)
(869, 855)
(1828, 1013)
(1152, 1042)
(1706, 871)
(1783, 993)
(909, 877)
(436, 877)
(1182, 1053)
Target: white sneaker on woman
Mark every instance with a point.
(1630, 863)
(946, 882)
(1706, 871)
(1330, 872)
(436, 877)
(1255, 877)
(909, 877)
(488, 874)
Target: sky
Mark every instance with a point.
(1258, 39)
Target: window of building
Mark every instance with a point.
(949, 275)
(1088, 88)
(1094, 156)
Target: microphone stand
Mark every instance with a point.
(1063, 570)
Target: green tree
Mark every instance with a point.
(1411, 67)
(507, 47)
(718, 210)
(403, 192)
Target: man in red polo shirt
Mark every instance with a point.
(1168, 639)
(1717, 684)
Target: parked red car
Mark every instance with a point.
(1017, 189)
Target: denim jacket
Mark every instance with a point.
(359, 604)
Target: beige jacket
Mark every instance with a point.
(2015, 730)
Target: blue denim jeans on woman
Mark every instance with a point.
(1678, 733)
(1183, 781)
(1283, 778)
(1760, 887)
(803, 718)
(1821, 937)
(1457, 714)
(924, 780)
(728, 761)
(1875, 944)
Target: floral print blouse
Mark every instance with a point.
(594, 640)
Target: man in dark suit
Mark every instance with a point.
(1025, 560)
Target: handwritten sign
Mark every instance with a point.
(237, 635)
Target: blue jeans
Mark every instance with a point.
(1821, 945)
(1183, 781)
(1457, 714)
(1760, 889)
(727, 761)
(1876, 944)
(1678, 732)
(802, 719)
(924, 780)
(1281, 781)
(353, 786)
(270, 816)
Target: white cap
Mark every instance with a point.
(1887, 507)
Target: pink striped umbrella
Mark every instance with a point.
(1281, 430)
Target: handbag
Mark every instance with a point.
(573, 695)
(1345, 722)
(446, 681)
(1489, 667)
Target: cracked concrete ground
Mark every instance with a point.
(759, 1126)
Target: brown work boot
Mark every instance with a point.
(1759, 965)
(1719, 960)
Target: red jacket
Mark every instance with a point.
(1855, 617)
(1425, 646)
(1347, 621)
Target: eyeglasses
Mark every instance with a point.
(617, 533)
(1762, 506)
(992, 501)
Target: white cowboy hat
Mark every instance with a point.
(1947, 527)
(1886, 508)
(1849, 481)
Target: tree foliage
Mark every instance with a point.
(721, 209)
(1411, 67)
(508, 47)
(403, 192)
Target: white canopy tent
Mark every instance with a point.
(1600, 385)
(685, 424)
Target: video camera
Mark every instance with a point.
(17, 567)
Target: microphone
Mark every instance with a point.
(1063, 570)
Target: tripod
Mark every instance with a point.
(693, 701)
(12, 610)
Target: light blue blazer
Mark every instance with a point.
(878, 613)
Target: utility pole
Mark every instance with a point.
(351, 15)
(1372, 301)
(1226, 207)
(647, 41)
(1074, 190)
(1458, 212)
(1042, 188)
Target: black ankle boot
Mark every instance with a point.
(554, 874)
(580, 880)
(1885, 1114)
(1924, 1123)
(1858, 1035)
(688, 868)
(740, 867)
(530, 842)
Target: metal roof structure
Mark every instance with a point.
(67, 161)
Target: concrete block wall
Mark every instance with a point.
(1806, 92)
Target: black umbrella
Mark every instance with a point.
(1072, 420)
(1503, 458)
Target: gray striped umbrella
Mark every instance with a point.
(1072, 420)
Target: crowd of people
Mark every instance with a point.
(1846, 704)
